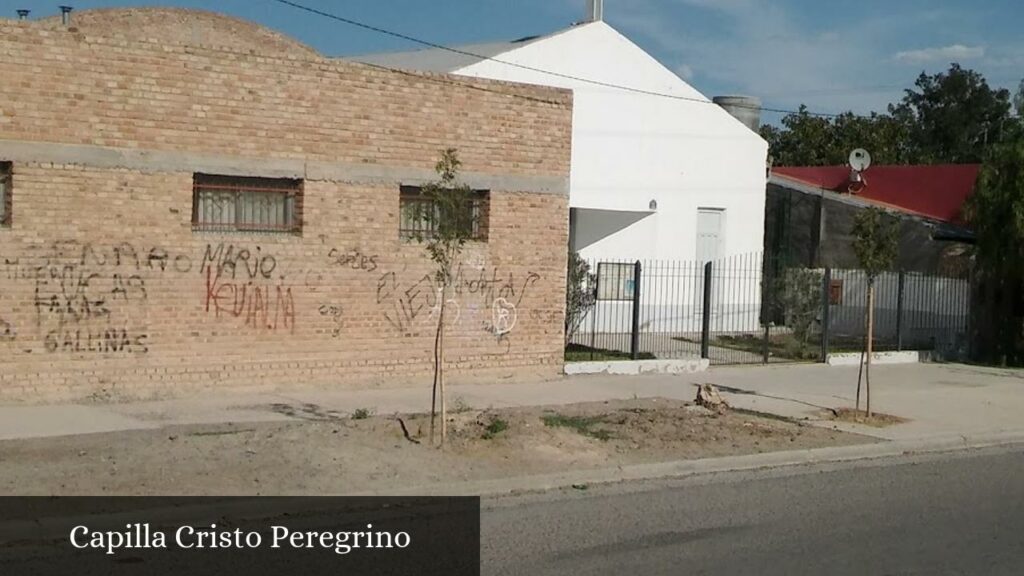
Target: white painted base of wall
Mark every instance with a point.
(853, 358)
(635, 367)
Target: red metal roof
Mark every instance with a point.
(937, 191)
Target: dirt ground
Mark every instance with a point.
(859, 417)
(322, 452)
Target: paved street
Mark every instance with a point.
(959, 514)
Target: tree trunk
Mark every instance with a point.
(871, 338)
(440, 371)
(433, 394)
(860, 364)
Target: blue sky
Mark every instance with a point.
(833, 55)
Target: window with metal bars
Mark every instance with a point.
(5, 193)
(245, 204)
(419, 214)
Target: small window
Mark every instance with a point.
(5, 194)
(415, 207)
(232, 203)
(835, 292)
(615, 281)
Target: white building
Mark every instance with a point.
(671, 177)
(659, 172)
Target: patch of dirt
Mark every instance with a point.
(877, 420)
(321, 452)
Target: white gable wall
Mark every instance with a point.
(629, 148)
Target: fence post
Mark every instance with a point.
(705, 330)
(764, 344)
(826, 312)
(634, 344)
(899, 311)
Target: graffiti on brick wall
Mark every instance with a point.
(492, 298)
(92, 298)
(404, 303)
(95, 340)
(88, 297)
(7, 333)
(334, 312)
(353, 259)
(241, 284)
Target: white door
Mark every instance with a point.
(710, 223)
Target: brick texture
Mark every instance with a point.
(107, 292)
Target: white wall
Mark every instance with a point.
(629, 149)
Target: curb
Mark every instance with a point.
(637, 367)
(854, 358)
(687, 468)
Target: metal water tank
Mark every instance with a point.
(746, 109)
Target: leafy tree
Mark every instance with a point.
(949, 117)
(875, 244)
(579, 294)
(1018, 99)
(996, 212)
(809, 140)
(954, 116)
(446, 224)
(798, 295)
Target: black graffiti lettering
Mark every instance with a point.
(159, 257)
(182, 263)
(109, 340)
(7, 333)
(353, 259)
(386, 286)
(126, 252)
(267, 265)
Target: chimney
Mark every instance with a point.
(23, 14)
(746, 109)
(65, 15)
(595, 11)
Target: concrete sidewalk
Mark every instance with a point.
(942, 401)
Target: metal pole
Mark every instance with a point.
(826, 313)
(899, 310)
(764, 344)
(634, 344)
(705, 330)
(593, 312)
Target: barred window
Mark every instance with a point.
(615, 281)
(416, 208)
(5, 193)
(244, 204)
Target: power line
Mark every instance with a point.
(481, 57)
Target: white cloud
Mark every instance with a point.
(685, 71)
(953, 52)
(764, 51)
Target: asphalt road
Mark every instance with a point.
(950, 514)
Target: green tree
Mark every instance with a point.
(803, 140)
(875, 244)
(1018, 99)
(445, 219)
(798, 296)
(809, 140)
(579, 294)
(954, 116)
(996, 212)
(949, 117)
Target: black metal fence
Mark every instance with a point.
(747, 309)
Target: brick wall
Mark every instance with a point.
(106, 290)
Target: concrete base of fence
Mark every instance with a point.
(635, 367)
(904, 357)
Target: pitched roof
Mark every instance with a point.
(444, 61)
(936, 192)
